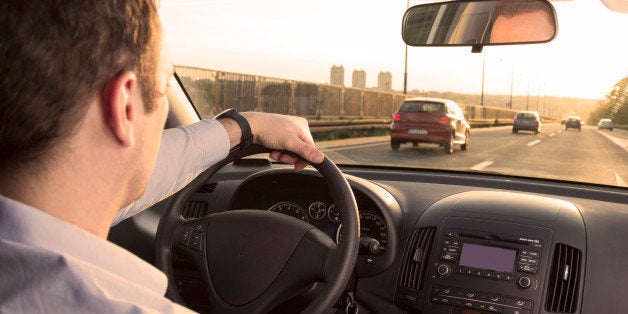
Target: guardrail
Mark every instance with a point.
(362, 124)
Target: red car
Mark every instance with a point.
(429, 120)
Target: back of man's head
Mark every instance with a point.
(56, 57)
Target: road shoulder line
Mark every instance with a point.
(615, 140)
(620, 181)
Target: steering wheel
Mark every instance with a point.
(254, 260)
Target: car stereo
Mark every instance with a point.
(487, 273)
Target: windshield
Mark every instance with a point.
(369, 98)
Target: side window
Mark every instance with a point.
(459, 113)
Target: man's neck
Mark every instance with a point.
(70, 191)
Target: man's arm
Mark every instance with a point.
(185, 152)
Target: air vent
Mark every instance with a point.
(194, 209)
(415, 258)
(562, 291)
(207, 188)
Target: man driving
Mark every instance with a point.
(82, 146)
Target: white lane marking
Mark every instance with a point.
(339, 158)
(616, 140)
(534, 142)
(619, 180)
(482, 165)
(353, 147)
(552, 134)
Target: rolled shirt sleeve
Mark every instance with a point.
(183, 154)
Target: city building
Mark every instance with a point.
(384, 81)
(337, 76)
(359, 79)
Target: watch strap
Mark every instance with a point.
(247, 135)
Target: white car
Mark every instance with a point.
(605, 124)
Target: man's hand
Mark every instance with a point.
(280, 132)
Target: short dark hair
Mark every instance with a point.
(58, 55)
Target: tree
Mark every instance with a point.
(614, 106)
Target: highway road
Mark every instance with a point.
(588, 155)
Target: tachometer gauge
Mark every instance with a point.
(317, 210)
(333, 213)
(291, 209)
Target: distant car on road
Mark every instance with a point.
(526, 120)
(574, 123)
(605, 124)
(430, 120)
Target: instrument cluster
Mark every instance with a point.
(327, 217)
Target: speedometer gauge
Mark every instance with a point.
(373, 234)
(291, 209)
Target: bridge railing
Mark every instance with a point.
(213, 91)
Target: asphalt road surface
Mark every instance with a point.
(588, 155)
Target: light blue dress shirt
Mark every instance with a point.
(50, 266)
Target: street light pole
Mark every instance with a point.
(538, 95)
(512, 80)
(405, 74)
(483, 65)
(528, 98)
(405, 71)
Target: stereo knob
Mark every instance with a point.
(524, 282)
(443, 270)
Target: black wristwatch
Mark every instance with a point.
(247, 135)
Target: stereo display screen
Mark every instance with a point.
(488, 257)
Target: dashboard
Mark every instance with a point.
(439, 242)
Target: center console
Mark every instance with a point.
(519, 254)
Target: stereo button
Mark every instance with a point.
(488, 274)
(449, 257)
(511, 310)
(443, 270)
(527, 268)
(524, 282)
(520, 303)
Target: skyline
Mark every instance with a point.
(247, 37)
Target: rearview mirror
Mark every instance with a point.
(479, 23)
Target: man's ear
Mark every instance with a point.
(121, 101)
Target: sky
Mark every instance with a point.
(302, 40)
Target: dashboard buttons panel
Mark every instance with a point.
(528, 261)
(484, 273)
(450, 250)
(485, 302)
